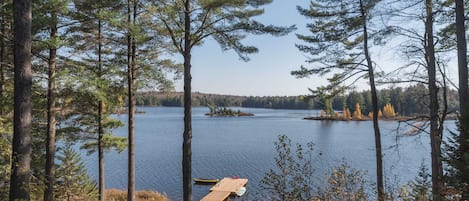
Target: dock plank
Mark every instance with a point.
(229, 184)
(216, 196)
(224, 188)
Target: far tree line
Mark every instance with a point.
(407, 101)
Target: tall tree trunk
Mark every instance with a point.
(51, 111)
(187, 136)
(131, 91)
(435, 136)
(462, 59)
(463, 91)
(374, 103)
(21, 158)
(2, 54)
(100, 120)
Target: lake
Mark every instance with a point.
(243, 147)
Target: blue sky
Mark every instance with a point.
(268, 72)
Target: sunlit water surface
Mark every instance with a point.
(243, 147)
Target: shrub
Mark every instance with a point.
(344, 183)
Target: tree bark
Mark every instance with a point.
(101, 186)
(187, 135)
(462, 59)
(435, 136)
(51, 120)
(132, 99)
(374, 103)
(21, 158)
(463, 90)
(2, 54)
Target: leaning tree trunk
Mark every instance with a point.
(435, 136)
(51, 111)
(374, 103)
(187, 135)
(463, 93)
(21, 159)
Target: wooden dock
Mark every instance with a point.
(224, 188)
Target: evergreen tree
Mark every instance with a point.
(339, 43)
(188, 23)
(420, 187)
(435, 126)
(21, 163)
(46, 32)
(457, 160)
(460, 162)
(72, 180)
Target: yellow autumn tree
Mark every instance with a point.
(120, 103)
(346, 114)
(358, 113)
(388, 111)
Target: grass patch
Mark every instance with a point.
(145, 195)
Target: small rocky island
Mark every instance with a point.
(226, 112)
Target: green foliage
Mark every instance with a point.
(293, 177)
(408, 101)
(335, 43)
(6, 131)
(73, 182)
(227, 22)
(420, 188)
(110, 142)
(457, 158)
(223, 111)
(344, 183)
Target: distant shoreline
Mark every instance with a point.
(397, 118)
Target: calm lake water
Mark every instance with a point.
(243, 147)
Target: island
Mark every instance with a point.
(387, 113)
(226, 112)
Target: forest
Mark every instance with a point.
(66, 66)
(407, 101)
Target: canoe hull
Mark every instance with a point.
(205, 181)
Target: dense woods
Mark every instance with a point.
(407, 101)
(67, 66)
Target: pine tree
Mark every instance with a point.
(21, 163)
(338, 43)
(420, 188)
(97, 70)
(73, 182)
(188, 23)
